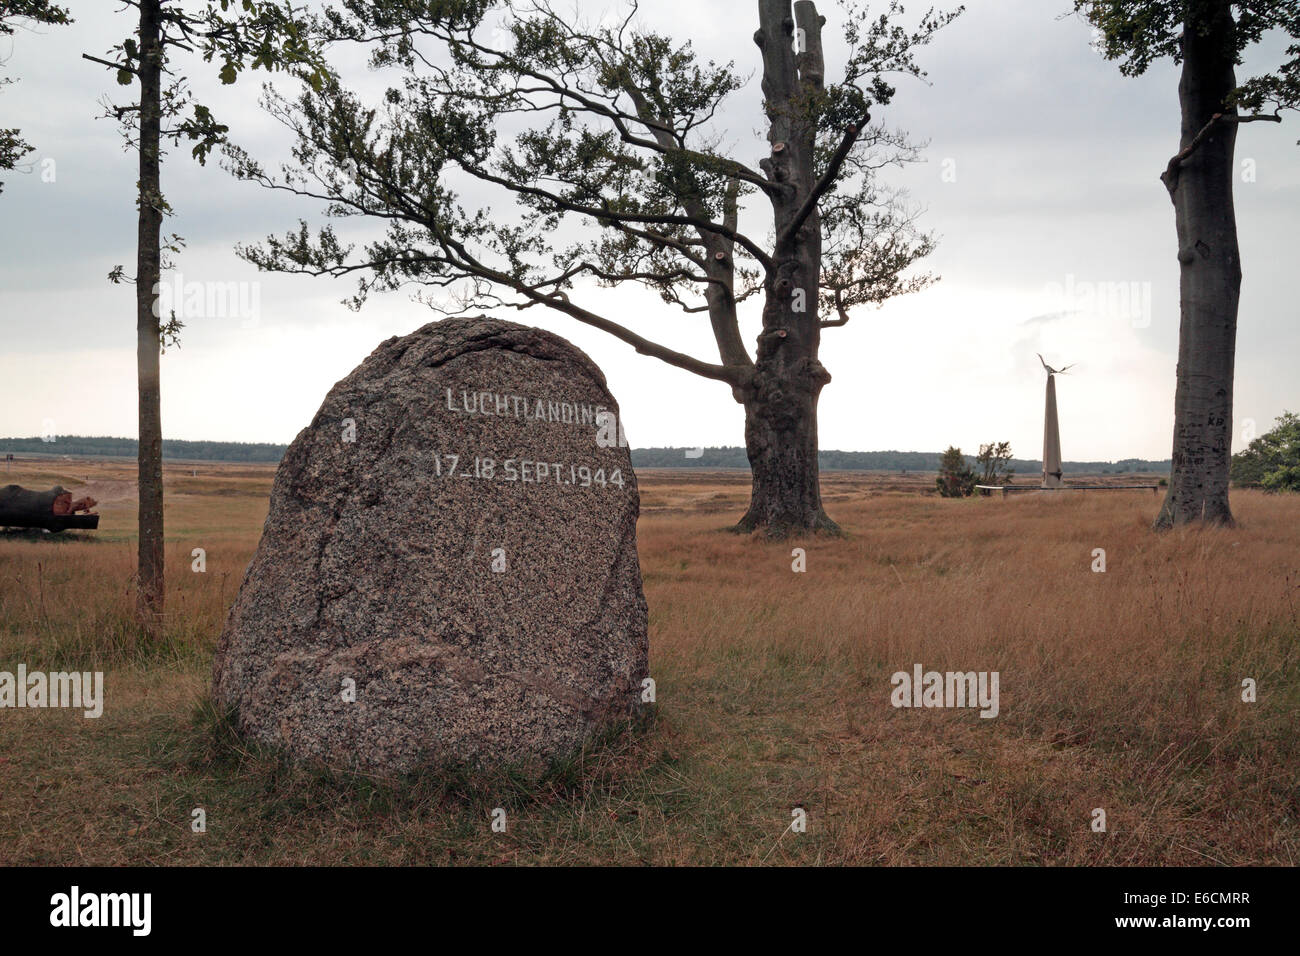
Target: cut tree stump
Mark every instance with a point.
(54, 510)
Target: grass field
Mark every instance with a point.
(1119, 690)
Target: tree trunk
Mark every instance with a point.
(781, 441)
(149, 590)
(780, 398)
(1209, 277)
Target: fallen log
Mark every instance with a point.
(54, 510)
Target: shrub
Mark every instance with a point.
(956, 478)
(994, 461)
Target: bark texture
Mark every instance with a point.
(780, 397)
(149, 590)
(1200, 186)
(17, 502)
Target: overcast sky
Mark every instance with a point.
(1055, 236)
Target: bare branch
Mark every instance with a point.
(115, 66)
(1170, 176)
(827, 180)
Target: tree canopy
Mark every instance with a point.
(1136, 33)
(16, 14)
(615, 135)
(1272, 460)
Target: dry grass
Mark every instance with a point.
(1118, 690)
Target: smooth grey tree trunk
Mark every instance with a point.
(1209, 278)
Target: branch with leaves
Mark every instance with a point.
(613, 138)
(26, 15)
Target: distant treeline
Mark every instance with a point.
(83, 446)
(734, 457)
(729, 457)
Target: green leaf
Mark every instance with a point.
(124, 77)
(227, 74)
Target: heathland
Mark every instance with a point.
(1121, 690)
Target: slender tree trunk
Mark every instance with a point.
(1209, 276)
(149, 593)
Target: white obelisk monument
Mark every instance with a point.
(1051, 432)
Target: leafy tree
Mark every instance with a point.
(1272, 460)
(1208, 38)
(956, 478)
(994, 461)
(615, 144)
(1286, 477)
(15, 14)
(238, 34)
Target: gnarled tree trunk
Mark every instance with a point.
(781, 441)
(781, 396)
(1200, 185)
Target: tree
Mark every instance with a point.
(616, 139)
(1272, 460)
(1286, 477)
(13, 14)
(240, 34)
(1207, 37)
(956, 478)
(994, 461)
